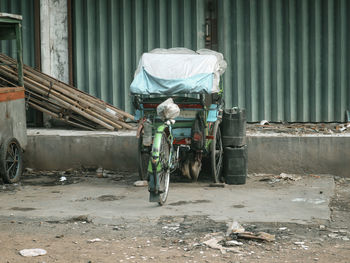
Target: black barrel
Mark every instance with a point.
(233, 127)
(235, 164)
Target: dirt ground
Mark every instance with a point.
(170, 238)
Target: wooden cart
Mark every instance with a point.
(13, 134)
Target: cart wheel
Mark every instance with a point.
(143, 159)
(164, 177)
(11, 161)
(217, 151)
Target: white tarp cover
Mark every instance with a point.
(179, 69)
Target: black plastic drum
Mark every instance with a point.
(235, 164)
(233, 127)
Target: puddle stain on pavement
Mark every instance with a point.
(104, 198)
(189, 202)
(238, 206)
(23, 209)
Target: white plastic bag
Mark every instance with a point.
(32, 252)
(168, 110)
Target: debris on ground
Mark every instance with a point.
(289, 177)
(64, 102)
(234, 228)
(214, 243)
(236, 231)
(301, 244)
(63, 178)
(316, 201)
(73, 176)
(233, 243)
(264, 122)
(99, 172)
(94, 240)
(140, 183)
(81, 218)
(260, 236)
(297, 128)
(32, 252)
(229, 242)
(29, 170)
(322, 227)
(341, 127)
(220, 185)
(315, 176)
(272, 179)
(117, 228)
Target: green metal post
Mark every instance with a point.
(19, 53)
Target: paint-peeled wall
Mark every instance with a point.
(54, 39)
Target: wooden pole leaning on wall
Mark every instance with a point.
(58, 94)
(44, 91)
(69, 90)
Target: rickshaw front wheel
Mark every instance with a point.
(217, 155)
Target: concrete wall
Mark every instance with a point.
(60, 150)
(300, 154)
(54, 38)
(54, 42)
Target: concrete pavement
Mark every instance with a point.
(107, 201)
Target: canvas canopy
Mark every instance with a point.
(178, 71)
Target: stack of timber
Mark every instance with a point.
(63, 101)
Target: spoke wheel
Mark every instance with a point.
(11, 161)
(217, 155)
(144, 154)
(164, 176)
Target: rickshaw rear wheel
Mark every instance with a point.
(11, 161)
(143, 159)
(217, 155)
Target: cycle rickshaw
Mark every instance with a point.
(177, 94)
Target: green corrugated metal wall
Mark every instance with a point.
(110, 36)
(26, 9)
(288, 60)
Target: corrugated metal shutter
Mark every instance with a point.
(110, 36)
(26, 9)
(288, 60)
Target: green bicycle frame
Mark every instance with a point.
(154, 165)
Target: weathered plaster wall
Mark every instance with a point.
(54, 38)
